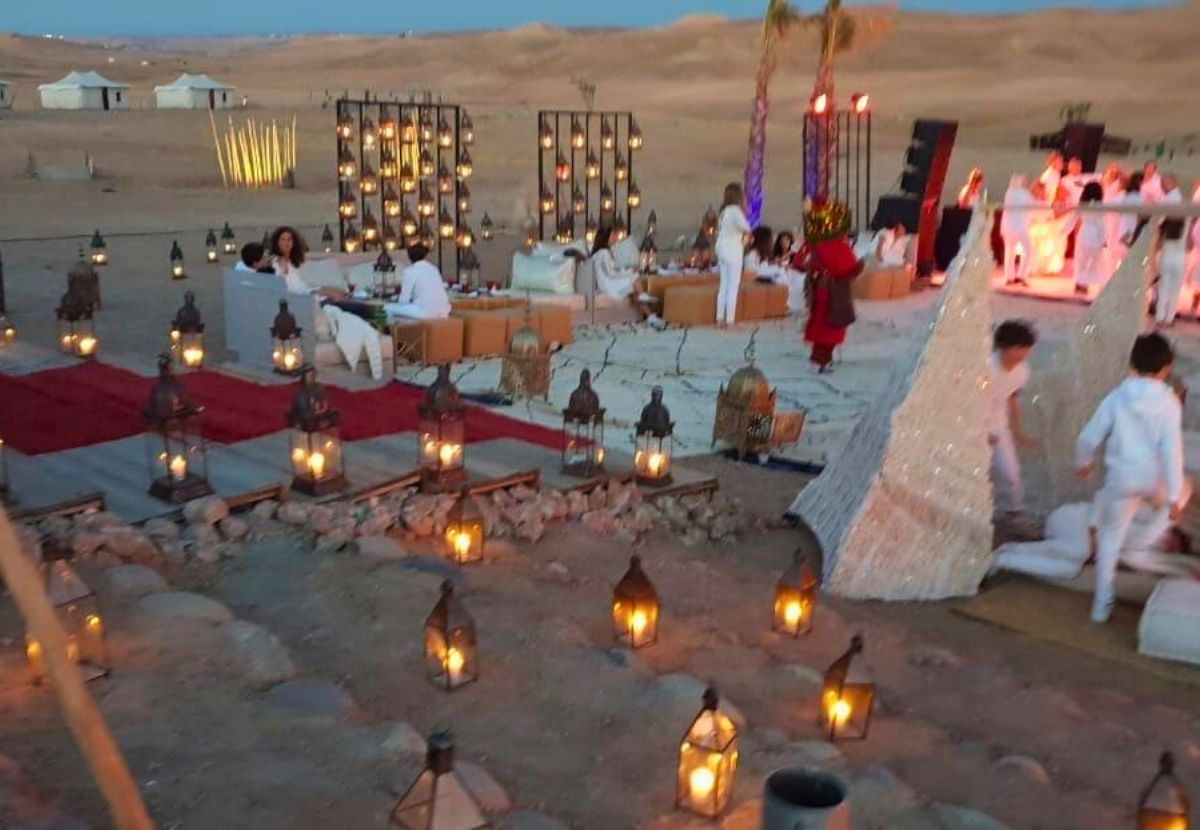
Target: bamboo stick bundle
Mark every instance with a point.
(278, 155)
(212, 122)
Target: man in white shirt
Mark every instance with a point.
(1152, 188)
(1051, 176)
(422, 289)
(1075, 181)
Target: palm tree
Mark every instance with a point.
(837, 35)
(778, 19)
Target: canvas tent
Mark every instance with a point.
(194, 92)
(6, 93)
(85, 91)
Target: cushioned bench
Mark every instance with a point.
(878, 283)
(1170, 624)
(696, 305)
(428, 341)
(488, 332)
(658, 285)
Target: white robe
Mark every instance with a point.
(611, 280)
(355, 337)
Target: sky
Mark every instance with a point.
(262, 17)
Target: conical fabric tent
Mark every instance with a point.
(85, 91)
(196, 92)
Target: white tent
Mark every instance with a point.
(6, 94)
(85, 91)
(194, 92)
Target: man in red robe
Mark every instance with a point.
(828, 258)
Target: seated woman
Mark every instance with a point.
(893, 247)
(611, 280)
(759, 254)
(287, 252)
(785, 249)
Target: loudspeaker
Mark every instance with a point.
(897, 208)
(1083, 141)
(926, 162)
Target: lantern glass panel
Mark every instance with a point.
(178, 461)
(1164, 804)
(847, 697)
(583, 447)
(464, 539)
(708, 759)
(78, 337)
(287, 354)
(635, 622)
(79, 615)
(437, 799)
(442, 444)
(652, 458)
(451, 656)
(191, 349)
(317, 456)
(795, 601)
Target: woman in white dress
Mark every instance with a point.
(1091, 272)
(732, 227)
(288, 251)
(611, 280)
(758, 256)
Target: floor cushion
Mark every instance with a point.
(429, 341)
(1170, 624)
(554, 323)
(487, 333)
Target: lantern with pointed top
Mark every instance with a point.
(78, 613)
(583, 431)
(465, 167)
(652, 222)
(847, 696)
(545, 135)
(546, 201)
(446, 227)
(619, 231)
(427, 133)
(636, 141)
(228, 240)
(451, 658)
(565, 232)
(368, 181)
(465, 237)
(525, 370)
(708, 758)
(620, 167)
(438, 799)
(408, 223)
(178, 461)
(391, 240)
(468, 268)
(466, 129)
(578, 202)
(316, 444)
(702, 251)
(327, 239)
(351, 241)
(369, 135)
(795, 598)
(607, 138)
(648, 252)
(408, 128)
(425, 164)
(445, 179)
(177, 272)
(388, 168)
(441, 431)
(370, 229)
(287, 354)
(8, 332)
(383, 275)
(347, 165)
(445, 135)
(1164, 804)
(635, 607)
(589, 230)
(465, 531)
(426, 235)
(408, 179)
(606, 199)
(486, 228)
(347, 202)
(425, 202)
(187, 334)
(562, 169)
(391, 201)
(387, 126)
(345, 126)
(592, 166)
(210, 246)
(634, 197)
(578, 136)
(464, 198)
(652, 458)
(99, 249)
(76, 326)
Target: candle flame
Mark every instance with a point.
(289, 360)
(792, 613)
(638, 622)
(316, 464)
(701, 782)
(87, 344)
(455, 660)
(462, 544)
(839, 712)
(447, 453)
(178, 467)
(655, 463)
(193, 357)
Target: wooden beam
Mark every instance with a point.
(80, 504)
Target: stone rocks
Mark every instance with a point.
(84, 543)
(333, 541)
(600, 522)
(1028, 768)
(161, 530)
(262, 658)
(933, 657)
(293, 513)
(208, 510)
(321, 519)
(819, 754)
(311, 698)
(490, 795)
(264, 511)
(203, 542)
(577, 504)
(381, 548)
(132, 582)
(182, 605)
(30, 542)
(233, 528)
(377, 521)
(939, 816)
(805, 674)
(128, 544)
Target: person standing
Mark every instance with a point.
(1192, 274)
(1141, 424)
(1090, 269)
(732, 228)
(1008, 373)
(828, 259)
(1172, 256)
(1152, 185)
(1015, 225)
(1051, 176)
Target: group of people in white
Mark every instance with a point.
(1040, 217)
(1131, 520)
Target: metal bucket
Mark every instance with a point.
(805, 799)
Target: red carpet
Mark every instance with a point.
(91, 402)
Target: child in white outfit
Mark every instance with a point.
(1142, 422)
(1008, 372)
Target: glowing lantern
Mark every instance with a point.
(368, 133)
(820, 104)
(408, 129)
(390, 240)
(635, 607)
(530, 235)
(592, 166)
(391, 201)
(468, 268)
(177, 272)
(619, 231)
(795, 598)
(445, 135)
(438, 799)
(441, 431)
(465, 236)
(464, 198)
(648, 252)
(465, 167)
(76, 328)
(78, 613)
(860, 103)
(545, 135)
(486, 228)
(634, 198)
(327, 239)
(847, 696)
(384, 275)
(1164, 804)
(369, 182)
(635, 136)
(187, 334)
(347, 166)
(446, 227)
(578, 137)
(546, 202)
(702, 253)
(565, 232)
(228, 240)
(99, 250)
(425, 202)
(345, 126)
(562, 169)
(445, 181)
(8, 333)
(578, 202)
(347, 203)
(652, 458)
(464, 532)
(426, 235)
(607, 140)
(466, 129)
(708, 757)
(316, 452)
(450, 643)
(425, 164)
(621, 167)
(408, 223)
(408, 181)
(287, 353)
(426, 126)
(583, 431)
(351, 241)
(606, 199)
(387, 126)
(210, 246)
(178, 461)
(370, 228)
(589, 230)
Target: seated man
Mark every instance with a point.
(893, 247)
(254, 259)
(422, 289)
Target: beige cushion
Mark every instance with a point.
(1170, 624)
(574, 302)
(532, 273)
(625, 253)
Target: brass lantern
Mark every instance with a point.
(390, 239)
(442, 433)
(446, 227)
(589, 230)
(178, 461)
(370, 229)
(438, 799)
(634, 197)
(648, 253)
(565, 232)
(187, 334)
(486, 228)
(387, 126)
(635, 607)
(445, 179)
(451, 657)
(76, 328)
(383, 275)
(426, 236)
(445, 135)
(287, 353)
(546, 201)
(464, 198)
(408, 223)
(525, 370)
(465, 167)
(1164, 804)
(702, 251)
(652, 222)
(347, 203)
(388, 169)
(847, 696)
(607, 140)
(347, 166)
(368, 181)
(351, 241)
(83, 278)
(177, 272)
(619, 231)
(635, 135)
(368, 133)
(345, 126)
(408, 128)
(465, 237)
(425, 203)
(745, 411)
(99, 249)
(592, 166)
(468, 268)
(606, 199)
(620, 167)
(545, 135)
(583, 431)
(652, 457)
(578, 137)
(408, 179)
(708, 757)
(391, 201)
(466, 129)
(562, 169)
(8, 332)
(708, 223)
(426, 126)
(327, 239)
(465, 531)
(210, 246)
(78, 613)
(425, 164)
(578, 202)
(795, 598)
(228, 240)
(316, 452)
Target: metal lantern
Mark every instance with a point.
(445, 135)
(408, 179)
(562, 169)
(387, 166)
(578, 137)
(370, 228)
(408, 222)
(708, 223)
(468, 268)
(619, 231)
(589, 230)
(620, 167)
(316, 452)
(8, 333)
(345, 126)
(578, 202)
(546, 201)
(702, 251)
(1164, 804)
(635, 607)
(347, 203)
(83, 278)
(229, 240)
(451, 657)
(795, 598)
(210, 246)
(368, 133)
(565, 231)
(425, 203)
(465, 531)
(384, 275)
(708, 757)
(438, 799)
(178, 461)
(347, 165)
(441, 431)
(464, 198)
(652, 222)
(634, 197)
(652, 457)
(425, 164)
(592, 166)
(426, 126)
(583, 431)
(465, 236)
(391, 201)
(465, 166)
(445, 179)
(327, 239)
(187, 334)
(466, 129)
(847, 696)
(648, 253)
(368, 181)
(78, 613)
(391, 240)
(387, 126)
(606, 199)
(607, 141)
(745, 414)
(177, 272)
(287, 353)
(635, 135)
(351, 241)
(545, 135)
(486, 228)
(446, 226)
(99, 250)
(408, 129)
(76, 328)
(426, 236)
(525, 370)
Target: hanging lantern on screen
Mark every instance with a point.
(76, 326)
(450, 642)
(564, 232)
(383, 275)
(546, 202)
(427, 133)
(464, 198)
(408, 181)
(708, 758)
(578, 202)
(545, 135)
(1164, 804)
(438, 799)
(368, 133)
(316, 451)
(425, 164)
(187, 334)
(425, 202)
(635, 607)
(583, 431)
(621, 167)
(408, 127)
(78, 612)
(99, 249)
(391, 240)
(619, 231)
(441, 432)
(465, 166)
(345, 126)
(347, 203)
(468, 268)
(465, 237)
(370, 229)
(426, 235)
(327, 239)
(445, 135)
(287, 354)
(607, 138)
(466, 129)
(578, 136)
(652, 222)
(635, 135)
(388, 168)
(464, 531)
(634, 197)
(351, 241)
(445, 179)
(178, 460)
(562, 169)
(592, 166)
(347, 166)
(177, 272)
(408, 223)
(847, 696)
(653, 439)
(531, 235)
(606, 199)
(795, 598)
(228, 240)
(387, 126)
(589, 230)
(391, 201)
(368, 182)
(486, 228)
(446, 227)
(210, 246)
